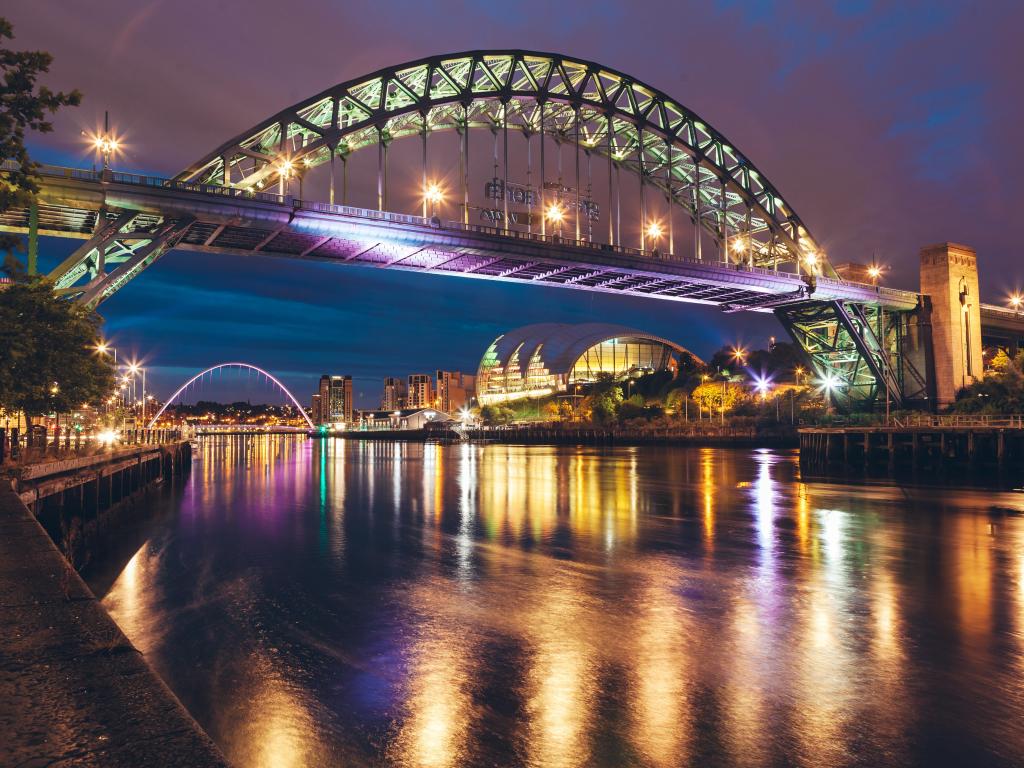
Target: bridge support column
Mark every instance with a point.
(949, 275)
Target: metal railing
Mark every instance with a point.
(39, 445)
(233, 192)
(961, 421)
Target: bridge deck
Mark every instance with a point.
(74, 203)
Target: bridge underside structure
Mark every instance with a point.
(762, 257)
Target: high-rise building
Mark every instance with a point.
(421, 391)
(454, 390)
(394, 394)
(335, 399)
(314, 409)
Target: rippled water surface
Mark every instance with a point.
(332, 604)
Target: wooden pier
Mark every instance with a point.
(957, 443)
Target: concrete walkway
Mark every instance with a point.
(73, 690)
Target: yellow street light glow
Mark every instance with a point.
(1016, 300)
(433, 193)
(102, 347)
(739, 245)
(133, 368)
(285, 167)
(554, 213)
(811, 259)
(654, 230)
(739, 354)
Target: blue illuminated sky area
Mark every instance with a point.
(889, 126)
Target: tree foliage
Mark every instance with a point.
(48, 358)
(1001, 391)
(24, 106)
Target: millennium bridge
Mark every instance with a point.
(708, 228)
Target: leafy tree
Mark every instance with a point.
(24, 105)
(1001, 362)
(711, 395)
(604, 404)
(1001, 391)
(48, 362)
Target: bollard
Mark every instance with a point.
(67, 440)
(15, 443)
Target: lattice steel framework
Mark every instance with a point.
(590, 106)
(858, 348)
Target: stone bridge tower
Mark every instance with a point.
(949, 275)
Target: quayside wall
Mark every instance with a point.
(73, 689)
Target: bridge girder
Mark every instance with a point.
(856, 349)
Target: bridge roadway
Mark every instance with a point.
(108, 208)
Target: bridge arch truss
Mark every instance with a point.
(270, 377)
(601, 111)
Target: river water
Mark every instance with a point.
(330, 603)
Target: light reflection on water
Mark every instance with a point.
(422, 605)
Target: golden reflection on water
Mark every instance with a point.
(434, 733)
(560, 690)
(661, 666)
(631, 604)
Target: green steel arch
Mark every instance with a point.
(603, 111)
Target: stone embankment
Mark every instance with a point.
(73, 689)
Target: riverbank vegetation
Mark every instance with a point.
(760, 387)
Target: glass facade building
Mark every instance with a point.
(548, 358)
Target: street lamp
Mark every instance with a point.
(652, 232)
(797, 373)
(829, 382)
(1015, 301)
(739, 355)
(875, 273)
(106, 144)
(134, 368)
(285, 170)
(433, 195)
(555, 215)
(811, 261)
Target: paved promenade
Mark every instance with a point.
(73, 690)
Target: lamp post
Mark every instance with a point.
(555, 215)
(106, 144)
(433, 195)
(652, 232)
(1015, 301)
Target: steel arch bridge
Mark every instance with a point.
(745, 248)
(270, 377)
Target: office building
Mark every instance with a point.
(394, 394)
(335, 399)
(454, 390)
(420, 393)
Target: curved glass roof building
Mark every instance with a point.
(548, 358)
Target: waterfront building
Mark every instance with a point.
(549, 358)
(420, 392)
(454, 390)
(314, 409)
(405, 418)
(335, 399)
(394, 398)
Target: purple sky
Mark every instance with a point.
(886, 129)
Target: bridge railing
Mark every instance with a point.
(401, 218)
(136, 179)
(1008, 421)
(41, 444)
